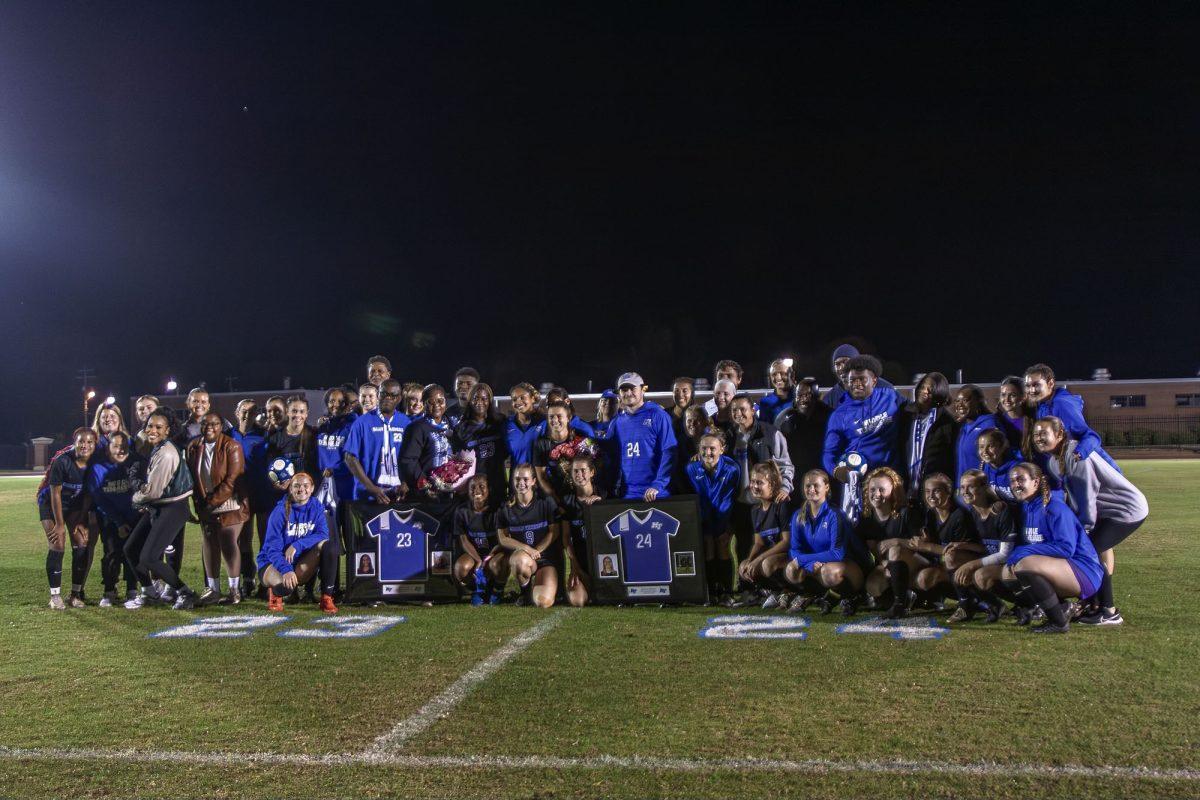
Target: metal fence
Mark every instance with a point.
(1178, 431)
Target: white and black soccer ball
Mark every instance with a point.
(854, 462)
(281, 469)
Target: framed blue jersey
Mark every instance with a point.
(645, 544)
(402, 544)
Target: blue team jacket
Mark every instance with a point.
(968, 443)
(1069, 408)
(998, 477)
(305, 529)
(717, 490)
(1054, 530)
(866, 427)
(331, 443)
(647, 442)
(829, 536)
(111, 487)
(771, 406)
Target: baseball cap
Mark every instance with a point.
(630, 379)
(609, 394)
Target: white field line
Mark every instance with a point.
(754, 765)
(441, 705)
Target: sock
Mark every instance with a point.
(213, 583)
(1105, 595)
(54, 560)
(79, 567)
(235, 583)
(897, 572)
(329, 568)
(1039, 590)
(1001, 590)
(844, 589)
(991, 598)
(810, 586)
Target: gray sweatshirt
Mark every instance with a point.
(1096, 490)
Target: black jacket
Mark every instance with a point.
(940, 442)
(805, 436)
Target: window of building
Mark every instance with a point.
(1127, 401)
(1187, 400)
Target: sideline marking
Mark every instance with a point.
(815, 765)
(455, 693)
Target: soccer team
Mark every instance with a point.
(857, 497)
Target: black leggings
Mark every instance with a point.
(1108, 534)
(155, 530)
(114, 559)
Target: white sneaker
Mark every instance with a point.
(132, 593)
(108, 600)
(57, 603)
(772, 601)
(135, 602)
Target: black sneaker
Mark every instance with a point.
(185, 599)
(897, 611)
(1101, 617)
(1050, 627)
(1022, 615)
(849, 606)
(825, 604)
(994, 612)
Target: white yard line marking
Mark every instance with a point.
(816, 765)
(440, 706)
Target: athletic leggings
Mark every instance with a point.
(1107, 534)
(114, 559)
(155, 530)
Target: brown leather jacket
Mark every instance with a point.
(226, 480)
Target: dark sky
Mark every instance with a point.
(563, 191)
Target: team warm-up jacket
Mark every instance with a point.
(521, 439)
(647, 443)
(838, 394)
(866, 427)
(365, 443)
(111, 486)
(823, 539)
(716, 490)
(1069, 408)
(772, 405)
(331, 445)
(254, 457)
(967, 448)
(304, 528)
(1054, 530)
(1095, 490)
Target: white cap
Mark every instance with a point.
(630, 379)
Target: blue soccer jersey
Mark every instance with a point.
(645, 548)
(403, 547)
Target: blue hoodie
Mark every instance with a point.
(1054, 530)
(647, 445)
(717, 490)
(1069, 408)
(825, 538)
(111, 487)
(772, 405)
(305, 529)
(968, 444)
(998, 477)
(520, 440)
(867, 427)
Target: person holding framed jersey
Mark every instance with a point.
(646, 441)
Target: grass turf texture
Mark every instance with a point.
(618, 682)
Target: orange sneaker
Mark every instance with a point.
(327, 604)
(274, 601)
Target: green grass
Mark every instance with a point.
(609, 682)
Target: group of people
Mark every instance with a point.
(854, 497)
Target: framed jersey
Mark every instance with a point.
(642, 552)
(398, 553)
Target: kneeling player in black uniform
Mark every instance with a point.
(584, 493)
(483, 565)
(529, 527)
(887, 524)
(770, 518)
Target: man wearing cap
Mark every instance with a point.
(645, 440)
(841, 357)
(864, 423)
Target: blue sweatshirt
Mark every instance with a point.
(1069, 408)
(254, 457)
(838, 394)
(111, 487)
(998, 477)
(304, 529)
(867, 427)
(823, 539)
(521, 439)
(717, 491)
(365, 441)
(773, 405)
(647, 444)
(1054, 530)
(331, 442)
(968, 443)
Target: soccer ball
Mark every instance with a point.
(281, 469)
(854, 462)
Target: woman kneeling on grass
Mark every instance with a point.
(996, 523)
(764, 567)
(574, 510)
(886, 525)
(825, 554)
(483, 565)
(1055, 559)
(296, 544)
(948, 540)
(528, 527)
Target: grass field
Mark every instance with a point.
(465, 702)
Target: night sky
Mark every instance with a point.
(559, 192)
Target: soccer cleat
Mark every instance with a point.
(109, 600)
(75, 601)
(849, 606)
(232, 599)
(137, 601)
(185, 599)
(327, 604)
(772, 601)
(800, 603)
(963, 613)
(208, 597)
(1101, 617)
(825, 604)
(56, 602)
(1050, 627)
(130, 594)
(897, 611)
(994, 613)
(246, 590)
(743, 599)
(1022, 615)
(274, 601)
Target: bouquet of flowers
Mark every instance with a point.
(578, 445)
(452, 475)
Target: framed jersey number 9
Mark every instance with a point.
(633, 450)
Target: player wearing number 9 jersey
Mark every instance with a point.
(528, 527)
(646, 440)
